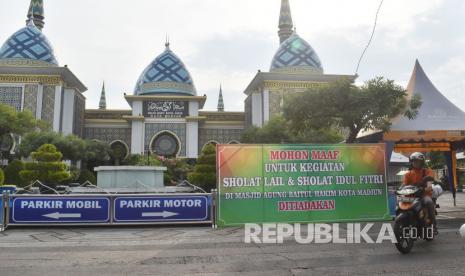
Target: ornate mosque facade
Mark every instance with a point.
(166, 116)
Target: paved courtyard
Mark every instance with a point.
(201, 250)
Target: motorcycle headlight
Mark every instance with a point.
(406, 192)
(405, 199)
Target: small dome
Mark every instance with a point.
(167, 74)
(295, 55)
(28, 46)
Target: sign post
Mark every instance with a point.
(59, 210)
(301, 184)
(2, 212)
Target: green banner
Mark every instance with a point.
(301, 183)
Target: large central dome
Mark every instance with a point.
(167, 74)
(28, 46)
(295, 55)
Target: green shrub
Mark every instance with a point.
(87, 175)
(46, 167)
(74, 173)
(2, 177)
(177, 170)
(207, 159)
(205, 168)
(12, 173)
(204, 174)
(141, 160)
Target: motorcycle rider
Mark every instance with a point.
(415, 176)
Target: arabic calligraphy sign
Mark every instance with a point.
(166, 109)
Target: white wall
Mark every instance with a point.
(193, 109)
(137, 134)
(257, 112)
(40, 96)
(266, 106)
(68, 112)
(137, 137)
(192, 139)
(137, 108)
(57, 109)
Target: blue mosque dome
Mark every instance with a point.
(166, 74)
(295, 55)
(28, 46)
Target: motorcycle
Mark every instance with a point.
(411, 219)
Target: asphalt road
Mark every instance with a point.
(200, 250)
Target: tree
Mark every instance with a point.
(177, 169)
(278, 130)
(142, 160)
(12, 173)
(97, 153)
(437, 160)
(87, 175)
(204, 174)
(46, 167)
(2, 177)
(342, 104)
(14, 122)
(6, 143)
(72, 147)
(274, 131)
(33, 140)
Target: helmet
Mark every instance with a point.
(417, 156)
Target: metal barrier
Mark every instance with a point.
(108, 209)
(2, 211)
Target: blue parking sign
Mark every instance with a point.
(47, 210)
(161, 208)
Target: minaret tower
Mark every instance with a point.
(286, 27)
(103, 101)
(220, 101)
(36, 11)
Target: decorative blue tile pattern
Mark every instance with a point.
(295, 55)
(48, 104)
(30, 98)
(11, 96)
(108, 134)
(166, 74)
(28, 43)
(221, 136)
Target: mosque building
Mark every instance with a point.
(295, 67)
(166, 116)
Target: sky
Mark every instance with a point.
(227, 41)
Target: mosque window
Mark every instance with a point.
(119, 150)
(165, 144)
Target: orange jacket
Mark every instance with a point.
(415, 177)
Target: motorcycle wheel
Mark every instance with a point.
(404, 245)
